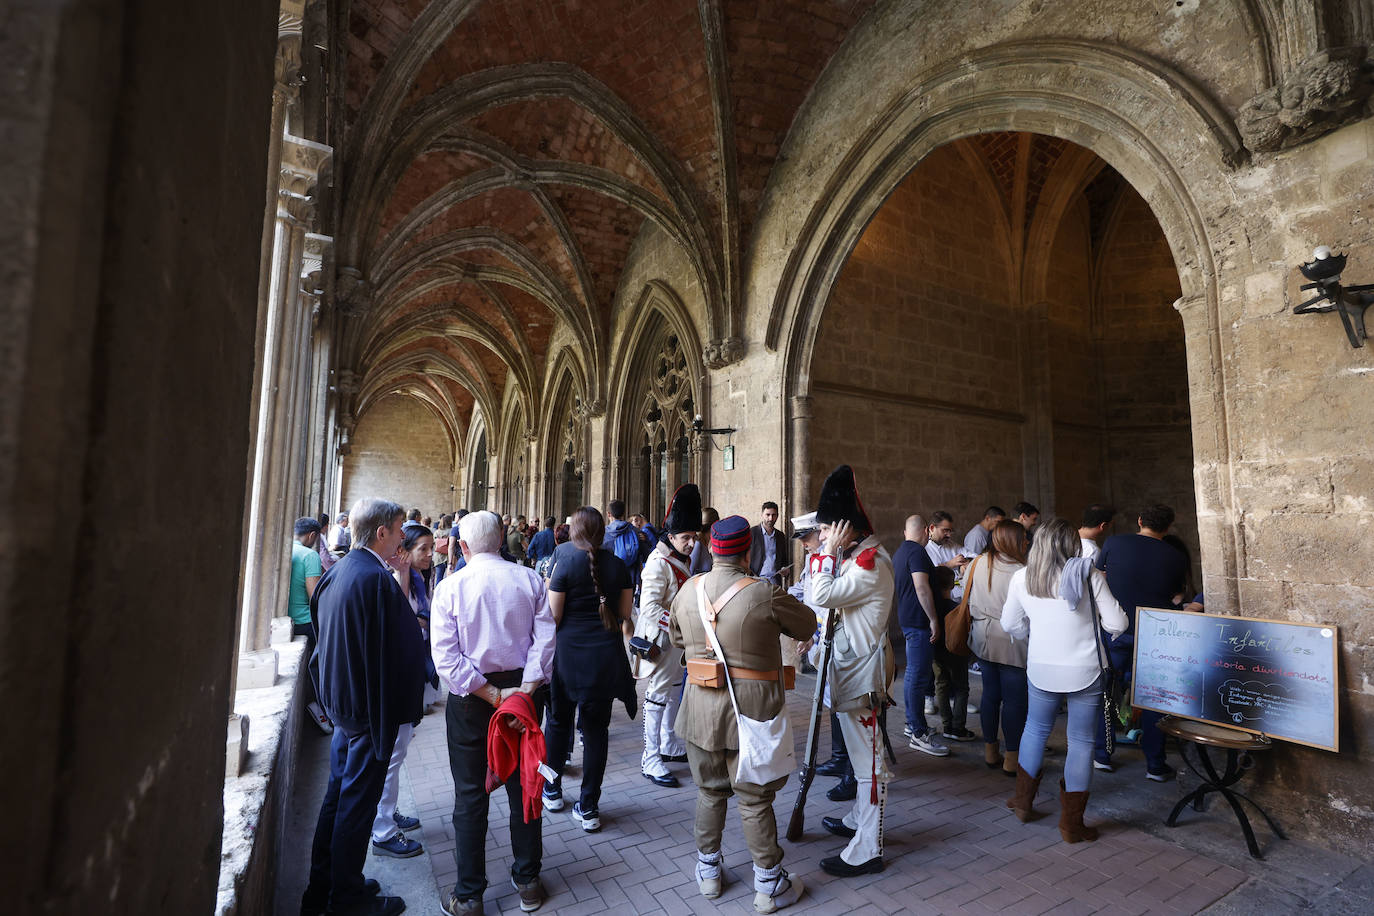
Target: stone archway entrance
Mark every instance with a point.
(1025, 347)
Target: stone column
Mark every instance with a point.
(1037, 444)
(319, 432)
(281, 418)
(800, 497)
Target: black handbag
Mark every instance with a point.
(1108, 679)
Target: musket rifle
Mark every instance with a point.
(796, 824)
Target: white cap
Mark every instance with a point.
(804, 524)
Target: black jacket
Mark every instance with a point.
(369, 661)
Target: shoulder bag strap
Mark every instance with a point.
(1104, 657)
(708, 621)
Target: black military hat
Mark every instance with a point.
(684, 510)
(840, 501)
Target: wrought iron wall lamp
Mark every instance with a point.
(1324, 270)
(699, 431)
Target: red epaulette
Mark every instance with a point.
(866, 559)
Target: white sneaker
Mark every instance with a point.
(1104, 767)
(320, 718)
(928, 744)
(788, 896)
(907, 732)
(972, 708)
(930, 706)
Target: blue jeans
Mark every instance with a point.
(1085, 711)
(1004, 698)
(920, 676)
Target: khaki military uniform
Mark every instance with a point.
(748, 629)
(861, 586)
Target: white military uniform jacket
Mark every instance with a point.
(862, 588)
(659, 583)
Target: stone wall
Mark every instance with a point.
(129, 248)
(400, 453)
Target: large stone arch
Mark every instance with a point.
(1166, 137)
(565, 401)
(658, 310)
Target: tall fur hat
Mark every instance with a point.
(840, 501)
(684, 510)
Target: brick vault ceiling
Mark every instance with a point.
(499, 157)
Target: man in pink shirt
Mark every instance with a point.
(492, 634)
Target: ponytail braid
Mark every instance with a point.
(607, 615)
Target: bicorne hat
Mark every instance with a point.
(684, 510)
(840, 501)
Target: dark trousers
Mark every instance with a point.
(1151, 738)
(350, 804)
(594, 718)
(951, 689)
(1004, 700)
(467, 720)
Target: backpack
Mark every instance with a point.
(626, 547)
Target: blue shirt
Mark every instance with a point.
(770, 559)
(541, 545)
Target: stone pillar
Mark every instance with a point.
(281, 417)
(318, 432)
(1037, 443)
(800, 497)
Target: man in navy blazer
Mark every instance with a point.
(368, 668)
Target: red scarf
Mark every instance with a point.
(507, 748)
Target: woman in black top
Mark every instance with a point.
(592, 600)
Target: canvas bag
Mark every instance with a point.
(767, 751)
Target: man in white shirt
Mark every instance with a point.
(1097, 518)
(943, 551)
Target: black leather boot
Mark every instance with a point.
(838, 764)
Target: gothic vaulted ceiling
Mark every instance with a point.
(498, 158)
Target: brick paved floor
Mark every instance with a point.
(951, 844)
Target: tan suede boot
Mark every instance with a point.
(991, 757)
(1024, 800)
(1071, 826)
(1009, 763)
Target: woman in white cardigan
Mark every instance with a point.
(1051, 600)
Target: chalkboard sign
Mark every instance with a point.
(1265, 676)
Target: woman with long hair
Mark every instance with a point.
(702, 561)
(592, 602)
(412, 566)
(1001, 656)
(1053, 601)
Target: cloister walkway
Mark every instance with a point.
(951, 844)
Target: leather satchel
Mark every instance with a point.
(959, 621)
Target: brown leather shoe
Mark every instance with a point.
(1071, 826)
(1023, 801)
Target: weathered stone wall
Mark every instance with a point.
(129, 247)
(400, 453)
(916, 371)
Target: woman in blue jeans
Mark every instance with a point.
(1051, 600)
(1001, 656)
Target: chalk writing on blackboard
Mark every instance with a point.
(1265, 676)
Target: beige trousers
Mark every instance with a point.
(713, 772)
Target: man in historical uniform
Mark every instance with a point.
(750, 616)
(664, 572)
(853, 572)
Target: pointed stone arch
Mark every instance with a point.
(657, 368)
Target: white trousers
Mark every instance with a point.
(865, 818)
(384, 827)
(662, 696)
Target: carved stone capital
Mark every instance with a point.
(352, 292)
(587, 410)
(721, 352)
(1329, 89)
(346, 381)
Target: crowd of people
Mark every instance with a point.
(530, 635)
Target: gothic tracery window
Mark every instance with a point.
(665, 417)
